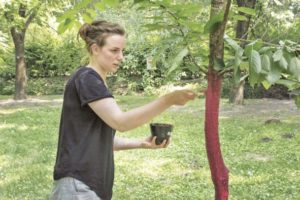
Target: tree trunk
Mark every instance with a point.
(219, 171)
(18, 35)
(21, 77)
(237, 94)
(242, 27)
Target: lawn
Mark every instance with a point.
(263, 159)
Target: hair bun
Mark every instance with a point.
(84, 31)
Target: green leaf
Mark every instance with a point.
(238, 59)
(194, 26)
(237, 76)
(68, 14)
(274, 74)
(231, 42)
(294, 67)
(244, 66)
(265, 50)
(213, 22)
(64, 26)
(283, 63)
(289, 84)
(185, 9)
(255, 45)
(240, 17)
(253, 77)
(265, 61)
(255, 61)
(277, 55)
(238, 52)
(178, 59)
(266, 84)
(246, 10)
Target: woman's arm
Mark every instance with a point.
(147, 143)
(108, 110)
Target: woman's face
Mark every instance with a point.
(110, 56)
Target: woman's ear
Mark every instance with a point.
(94, 49)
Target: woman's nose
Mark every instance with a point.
(120, 56)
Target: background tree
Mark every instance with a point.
(273, 22)
(17, 16)
(242, 27)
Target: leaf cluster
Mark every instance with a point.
(82, 12)
(266, 64)
(180, 26)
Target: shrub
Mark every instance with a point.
(257, 92)
(53, 56)
(46, 86)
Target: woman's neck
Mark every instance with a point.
(98, 70)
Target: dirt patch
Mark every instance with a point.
(30, 102)
(258, 157)
(262, 107)
(266, 107)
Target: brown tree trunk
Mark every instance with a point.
(237, 96)
(243, 26)
(21, 77)
(18, 35)
(219, 171)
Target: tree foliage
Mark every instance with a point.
(178, 39)
(16, 16)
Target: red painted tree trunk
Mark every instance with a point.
(219, 172)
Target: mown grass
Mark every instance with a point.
(264, 163)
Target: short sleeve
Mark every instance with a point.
(90, 87)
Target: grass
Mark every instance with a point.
(260, 168)
(5, 97)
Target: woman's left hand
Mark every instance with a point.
(149, 143)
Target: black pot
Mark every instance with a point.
(161, 131)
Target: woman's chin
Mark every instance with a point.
(115, 69)
(112, 71)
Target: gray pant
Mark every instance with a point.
(69, 188)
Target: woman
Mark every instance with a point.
(84, 167)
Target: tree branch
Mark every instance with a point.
(29, 20)
(227, 9)
(266, 43)
(179, 26)
(221, 73)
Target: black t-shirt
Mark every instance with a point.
(85, 145)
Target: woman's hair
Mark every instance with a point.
(98, 31)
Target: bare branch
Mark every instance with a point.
(29, 20)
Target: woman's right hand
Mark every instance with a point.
(180, 97)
